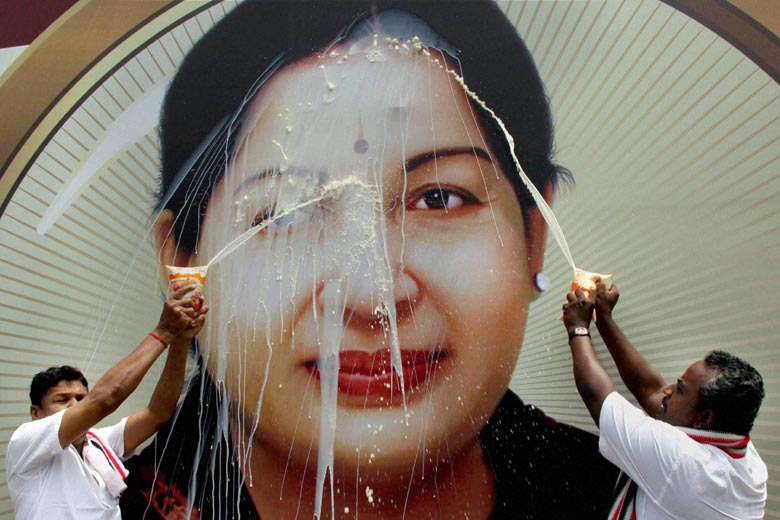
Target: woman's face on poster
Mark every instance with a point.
(379, 202)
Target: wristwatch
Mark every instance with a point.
(579, 331)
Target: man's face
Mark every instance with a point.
(680, 405)
(59, 397)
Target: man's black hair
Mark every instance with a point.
(227, 64)
(734, 395)
(51, 377)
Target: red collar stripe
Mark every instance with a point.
(109, 455)
(735, 446)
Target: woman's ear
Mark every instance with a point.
(166, 241)
(537, 233)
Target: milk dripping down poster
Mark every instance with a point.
(350, 174)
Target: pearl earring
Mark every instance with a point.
(541, 281)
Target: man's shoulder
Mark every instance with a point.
(32, 444)
(30, 429)
(21, 430)
(708, 458)
(733, 487)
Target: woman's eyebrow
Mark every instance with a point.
(419, 160)
(254, 178)
(277, 172)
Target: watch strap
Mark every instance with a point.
(579, 331)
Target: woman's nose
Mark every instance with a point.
(377, 291)
(374, 283)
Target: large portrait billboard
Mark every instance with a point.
(366, 182)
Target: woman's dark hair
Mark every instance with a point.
(51, 377)
(734, 395)
(221, 71)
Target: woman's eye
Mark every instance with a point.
(282, 218)
(262, 218)
(443, 198)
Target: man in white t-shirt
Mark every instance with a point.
(58, 466)
(690, 455)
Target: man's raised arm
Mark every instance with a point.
(593, 382)
(641, 379)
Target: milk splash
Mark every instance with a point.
(360, 239)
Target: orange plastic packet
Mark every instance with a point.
(181, 275)
(588, 281)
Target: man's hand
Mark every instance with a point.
(197, 321)
(183, 313)
(578, 310)
(606, 299)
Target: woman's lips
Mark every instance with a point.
(370, 374)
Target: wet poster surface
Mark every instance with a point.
(367, 183)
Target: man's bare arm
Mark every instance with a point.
(639, 376)
(593, 382)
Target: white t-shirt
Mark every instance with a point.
(48, 482)
(679, 478)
